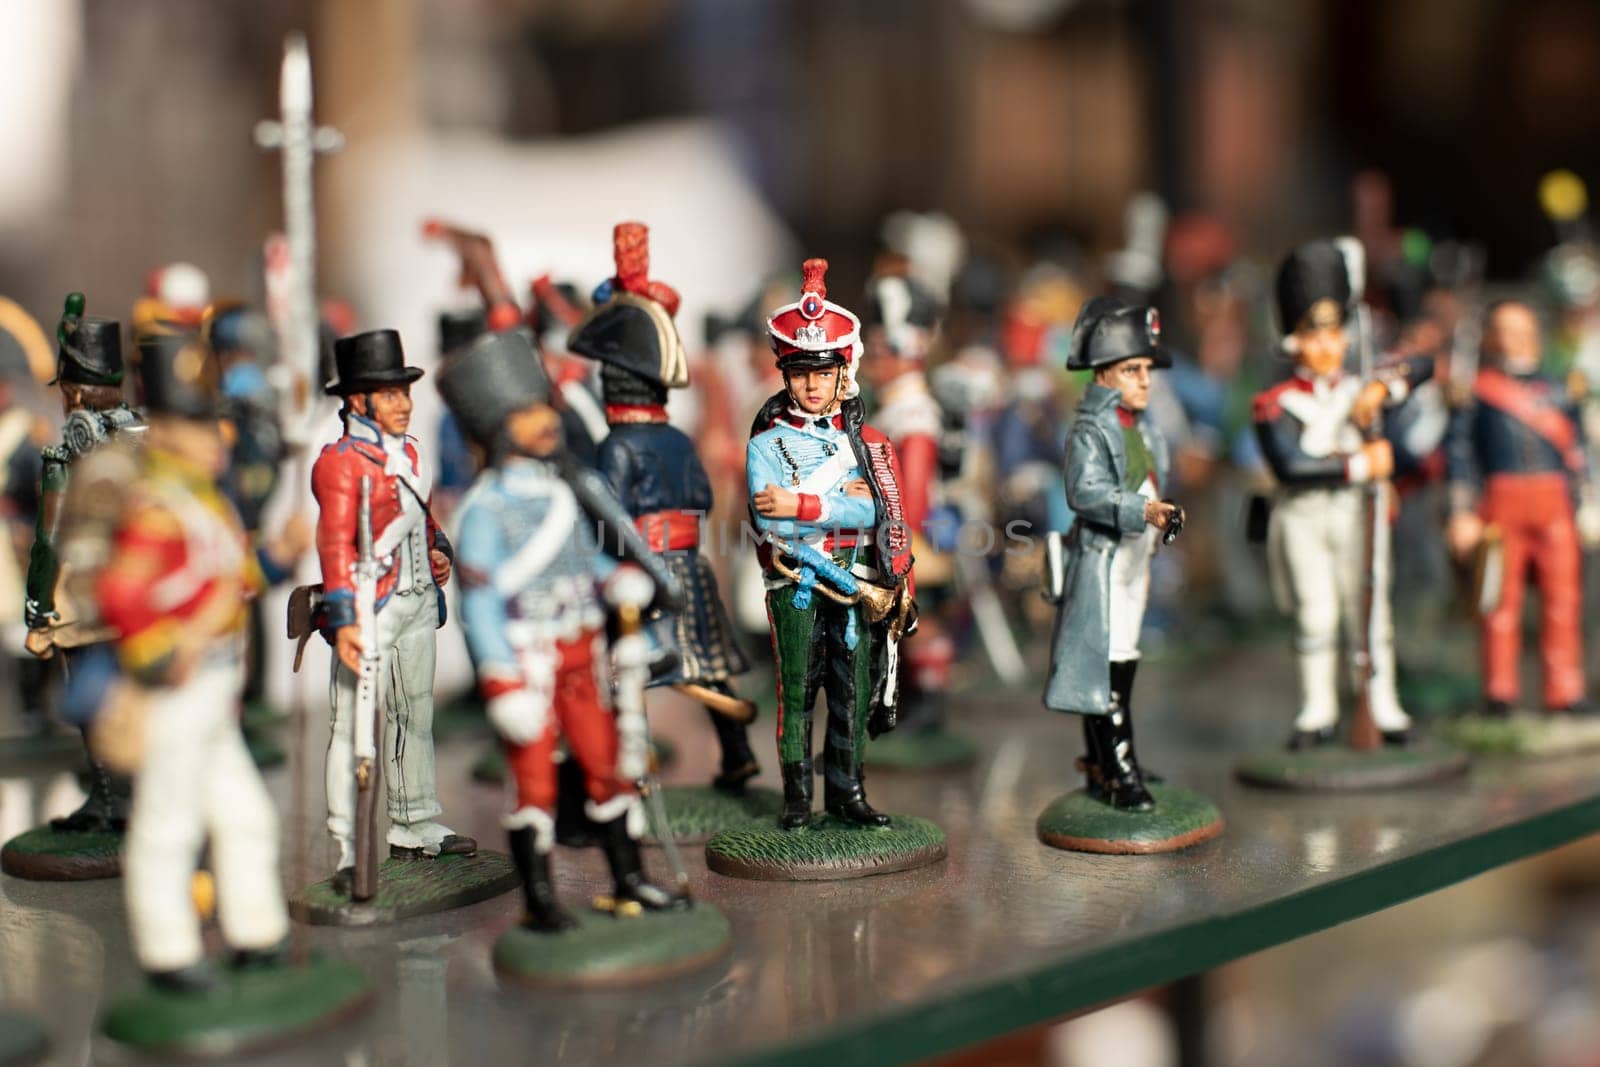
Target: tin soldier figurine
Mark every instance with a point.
(825, 494)
(90, 370)
(653, 468)
(1517, 468)
(412, 561)
(174, 591)
(1117, 466)
(533, 573)
(1328, 538)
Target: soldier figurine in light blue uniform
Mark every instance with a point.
(1117, 466)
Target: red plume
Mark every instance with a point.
(630, 247)
(812, 273)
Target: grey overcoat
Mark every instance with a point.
(1097, 463)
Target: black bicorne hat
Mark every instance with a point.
(369, 361)
(635, 334)
(89, 347)
(497, 375)
(178, 375)
(1109, 330)
(1313, 286)
(459, 327)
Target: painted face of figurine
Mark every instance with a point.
(1131, 378)
(816, 391)
(198, 441)
(535, 431)
(1321, 349)
(1513, 335)
(389, 407)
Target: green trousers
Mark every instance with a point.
(812, 652)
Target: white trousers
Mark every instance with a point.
(1130, 591)
(405, 699)
(198, 783)
(1318, 543)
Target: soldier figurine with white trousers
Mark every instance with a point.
(416, 559)
(1311, 432)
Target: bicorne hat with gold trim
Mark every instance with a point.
(1313, 287)
(813, 332)
(632, 327)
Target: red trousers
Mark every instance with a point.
(580, 713)
(1534, 515)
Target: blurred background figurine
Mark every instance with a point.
(25, 356)
(1517, 470)
(375, 385)
(89, 375)
(1117, 467)
(655, 471)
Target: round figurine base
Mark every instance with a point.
(46, 855)
(606, 951)
(921, 750)
(264, 750)
(22, 1041)
(36, 751)
(1079, 823)
(1338, 767)
(409, 887)
(827, 850)
(696, 812)
(1523, 734)
(249, 1009)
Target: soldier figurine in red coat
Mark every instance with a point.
(898, 332)
(415, 558)
(1516, 464)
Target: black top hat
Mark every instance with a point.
(459, 327)
(90, 347)
(369, 361)
(1313, 286)
(498, 374)
(1109, 331)
(179, 376)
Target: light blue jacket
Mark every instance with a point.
(786, 456)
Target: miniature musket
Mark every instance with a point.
(1363, 730)
(365, 722)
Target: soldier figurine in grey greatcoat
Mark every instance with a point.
(1117, 466)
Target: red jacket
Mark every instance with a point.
(336, 483)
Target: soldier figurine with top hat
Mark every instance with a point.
(174, 593)
(653, 468)
(898, 334)
(537, 590)
(825, 494)
(89, 375)
(1328, 536)
(1099, 573)
(374, 492)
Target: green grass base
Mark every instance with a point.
(43, 854)
(1337, 767)
(916, 750)
(464, 717)
(22, 1041)
(1522, 734)
(1432, 691)
(695, 812)
(248, 1009)
(827, 849)
(407, 888)
(608, 951)
(1181, 818)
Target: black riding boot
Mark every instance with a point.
(106, 809)
(1122, 675)
(796, 795)
(738, 759)
(1113, 774)
(627, 871)
(538, 895)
